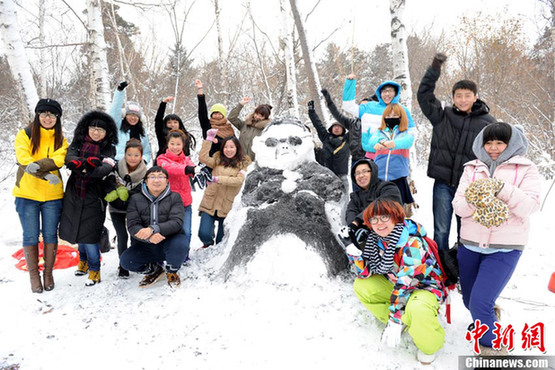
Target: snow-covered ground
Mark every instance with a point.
(278, 313)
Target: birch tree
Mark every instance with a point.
(100, 80)
(292, 103)
(15, 53)
(399, 51)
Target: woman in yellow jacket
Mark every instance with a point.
(229, 166)
(40, 150)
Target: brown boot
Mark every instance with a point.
(32, 261)
(49, 253)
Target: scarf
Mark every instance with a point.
(135, 132)
(381, 262)
(223, 126)
(90, 148)
(131, 179)
(260, 125)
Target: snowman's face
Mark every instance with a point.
(283, 146)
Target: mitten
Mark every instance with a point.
(52, 179)
(211, 134)
(494, 214)
(123, 193)
(438, 61)
(215, 179)
(111, 196)
(497, 185)
(93, 162)
(122, 85)
(75, 165)
(310, 105)
(32, 168)
(391, 335)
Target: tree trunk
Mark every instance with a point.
(42, 54)
(292, 104)
(99, 61)
(15, 53)
(222, 59)
(400, 53)
(312, 73)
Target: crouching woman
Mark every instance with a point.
(404, 287)
(155, 223)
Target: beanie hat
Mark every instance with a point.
(218, 108)
(49, 105)
(133, 108)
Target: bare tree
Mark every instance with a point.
(292, 104)
(100, 80)
(400, 52)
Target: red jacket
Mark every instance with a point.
(179, 182)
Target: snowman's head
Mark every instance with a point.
(284, 144)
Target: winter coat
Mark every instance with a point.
(521, 192)
(453, 131)
(123, 137)
(205, 123)
(392, 163)
(130, 180)
(219, 196)
(179, 181)
(360, 199)
(370, 113)
(161, 129)
(34, 187)
(247, 129)
(164, 214)
(414, 268)
(335, 150)
(82, 219)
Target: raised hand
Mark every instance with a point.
(168, 99)
(245, 100)
(122, 85)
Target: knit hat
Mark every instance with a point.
(49, 105)
(218, 108)
(133, 108)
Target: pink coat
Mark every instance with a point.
(179, 182)
(521, 193)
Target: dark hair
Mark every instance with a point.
(384, 206)
(192, 142)
(177, 133)
(134, 143)
(155, 169)
(497, 131)
(264, 110)
(125, 126)
(395, 87)
(465, 85)
(237, 158)
(95, 118)
(35, 133)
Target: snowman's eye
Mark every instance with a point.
(271, 142)
(295, 140)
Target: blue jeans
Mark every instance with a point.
(443, 195)
(32, 212)
(483, 277)
(91, 254)
(187, 229)
(140, 255)
(206, 228)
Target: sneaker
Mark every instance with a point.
(152, 277)
(123, 273)
(82, 268)
(94, 278)
(424, 358)
(173, 279)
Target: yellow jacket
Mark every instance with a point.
(34, 187)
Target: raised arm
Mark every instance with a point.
(202, 109)
(430, 105)
(349, 92)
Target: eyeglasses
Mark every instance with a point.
(153, 178)
(48, 115)
(363, 172)
(382, 218)
(99, 130)
(388, 90)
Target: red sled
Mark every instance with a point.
(66, 257)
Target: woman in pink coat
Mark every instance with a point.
(497, 194)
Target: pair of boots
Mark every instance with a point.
(83, 268)
(32, 260)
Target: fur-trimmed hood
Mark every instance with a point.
(88, 119)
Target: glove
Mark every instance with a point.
(358, 235)
(52, 179)
(32, 168)
(93, 162)
(75, 165)
(310, 105)
(123, 193)
(214, 179)
(211, 134)
(122, 85)
(111, 196)
(197, 169)
(391, 335)
(438, 61)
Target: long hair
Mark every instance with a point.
(125, 126)
(35, 133)
(398, 110)
(165, 131)
(237, 158)
(384, 206)
(264, 110)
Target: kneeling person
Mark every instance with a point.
(155, 222)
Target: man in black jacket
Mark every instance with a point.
(155, 223)
(454, 131)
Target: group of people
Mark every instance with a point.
(478, 166)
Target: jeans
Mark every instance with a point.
(118, 220)
(483, 277)
(91, 254)
(206, 228)
(31, 212)
(443, 195)
(187, 229)
(140, 255)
